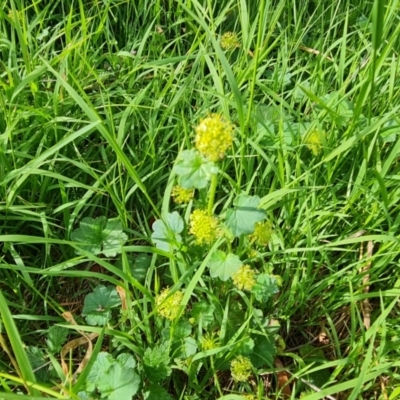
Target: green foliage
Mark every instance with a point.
(223, 265)
(156, 363)
(101, 106)
(39, 363)
(265, 287)
(155, 392)
(56, 337)
(264, 351)
(166, 234)
(114, 379)
(242, 219)
(194, 171)
(98, 304)
(203, 313)
(100, 236)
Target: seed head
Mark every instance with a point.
(214, 135)
(181, 195)
(244, 278)
(229, 41)
(203, 227)
(241, 369)
(168, 305)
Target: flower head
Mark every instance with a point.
(262, 233)
(241, 368)
(213, 137)
(314, 141)
(209, 341)
(203, 226)
(229, 41)
(244, 278)
(181, 195)
(168, 305)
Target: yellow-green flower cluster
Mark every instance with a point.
(262, 233)
(229, 41)
(209, 341)
(214, 136)
(203, 227)
(181, 195)
(314, 141)
(249, 396)
(168, 305)
(241, 369)
(244, 278)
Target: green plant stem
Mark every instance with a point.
(216, 377)
(213, 189)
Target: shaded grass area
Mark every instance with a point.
(97, 101)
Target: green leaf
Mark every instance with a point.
(293, 131)
(203, 312)
(140, 266)
(99, 369)
(100, 236)
(84, 396)
(265, 287)
(223, 265)
(56, 337)
(126, 361)
(114, 379)
(166, 234)
(245, 346)
(181, 330)
(156, 363)
(316, 356)
(193, 170)
(97, 305)
(119, 383)
(263, 352)
(189, 347)
(155, 392)
(39, 363)
(242, 219)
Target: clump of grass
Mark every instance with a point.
(275, 123)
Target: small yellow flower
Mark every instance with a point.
(229, 41)
(203, 227)
(181, 195)
(249, 396)
(209, 341)
(244, 278)
(168, 305)
(241, 369)
(252, 253)
(314, 141)
(262, 233)
(214, 135)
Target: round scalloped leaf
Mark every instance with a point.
(223, 265)
(97, 305)
(166, 234)
(243, 218)
(193, 170)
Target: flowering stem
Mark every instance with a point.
(213, 189)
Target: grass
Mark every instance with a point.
(99, 100)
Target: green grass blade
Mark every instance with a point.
(21, 357)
